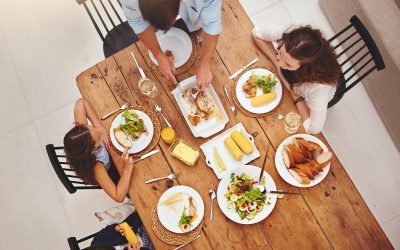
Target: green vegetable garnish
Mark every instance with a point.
(265, 82)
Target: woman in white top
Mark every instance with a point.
(307, 66)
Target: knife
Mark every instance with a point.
(282, 192)
(146, 155)
(241, 70)
(187, 243)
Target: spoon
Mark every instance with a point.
(278, 116)
(158, 109)
(112, 112)
(212, 195)
(171, 177)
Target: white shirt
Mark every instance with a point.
(316, 95)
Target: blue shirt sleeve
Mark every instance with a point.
(134, 16)
(211, 17)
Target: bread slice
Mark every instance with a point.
(299, 176)
(298, 142)
(316, 165)
(297, 155)
(312, 168)
(122, 138)
(304, 168)
(324, 159)
(288, 158)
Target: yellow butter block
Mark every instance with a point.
(233, 148)
(262, 99)
(129, 234)
(242, 141)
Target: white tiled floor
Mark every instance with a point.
(45, 44)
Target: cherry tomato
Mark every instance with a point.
(141, 120)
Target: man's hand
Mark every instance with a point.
(167, 69)
(203, 76)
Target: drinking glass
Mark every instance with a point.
(292, 122)
(148, 87)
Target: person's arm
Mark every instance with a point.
(84, 111)
(203, 74)
(148, 37)
(119, 191)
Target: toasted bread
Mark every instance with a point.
(314, 170)
(316, 165)
(288, 158)
(298, 142)
(299, 176)
(297, 155)
(324, 159)
(304, 168)
(122, 138)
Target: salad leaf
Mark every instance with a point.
(265, 82)
(185, 219)
(130, 115)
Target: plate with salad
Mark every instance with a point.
(180, 209)
(239, 198)
(259, 90)
(131, 129)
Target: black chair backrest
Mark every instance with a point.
(106, 13)
(64, 171)
(74, 243)
(361, 49)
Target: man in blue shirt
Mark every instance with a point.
(143, 15)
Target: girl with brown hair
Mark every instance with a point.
(86, 148)
(307, 66)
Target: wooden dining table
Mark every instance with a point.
(329, 215)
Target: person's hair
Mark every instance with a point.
(317, 57)
(159, 13)
(79, 149)
(100, 247)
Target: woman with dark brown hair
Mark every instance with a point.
(307, 66)
(86, 148)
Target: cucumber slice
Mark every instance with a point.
(230, 205)
(233, 197)
(280, 196)
(250, 216)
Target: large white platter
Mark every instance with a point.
(230, 162)
(169, 216)
(282, 169)
(178, 42)
(204, 128)
(144, 139)
(254, 173)
(245, 102)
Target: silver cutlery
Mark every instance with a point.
(213, 195)
(137, 65)
(282, 192)
(278, 116)
(146, 155)
(258, 184)
(233, 109)
(198, 236)
(158, 109)
(171, 177)
(124, 106)
(242, 69)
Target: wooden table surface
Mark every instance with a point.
(329, 215)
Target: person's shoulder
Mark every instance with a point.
(130, 3)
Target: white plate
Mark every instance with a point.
(170, 215)
(282, 169)
(254, 173)
(178, 42)
(245, 102)
(204, 128)
(144, 139)
(227, 158)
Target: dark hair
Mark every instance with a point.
(79, 150)
(159, 13)
(100, 247)
(316, 56)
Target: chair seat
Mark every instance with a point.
(118, 38)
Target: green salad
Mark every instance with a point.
(134, 125)
(265, 82)
(243, 198)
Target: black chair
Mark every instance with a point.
(363, 53)
(74, 243)
(117, 33)
(64, 172)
